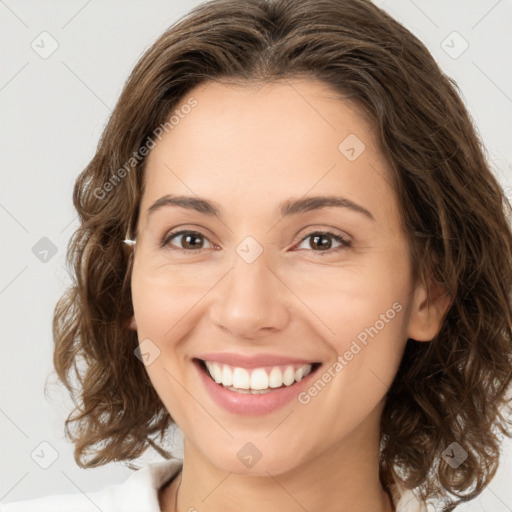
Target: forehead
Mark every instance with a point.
(244, 144)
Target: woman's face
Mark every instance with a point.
(259, 279)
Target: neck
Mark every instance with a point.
(344, 478)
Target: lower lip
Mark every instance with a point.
(249, 404)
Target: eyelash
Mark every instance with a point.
(345, 244)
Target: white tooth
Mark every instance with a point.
(243, 391)
(250, 391)
(227, 376)
(217, 373)
(275, 379)
(288, 376)
(260, 391)
(211, 370)
(209, 367)
(241, 378)
(259, 379)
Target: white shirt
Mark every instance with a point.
(139, 493)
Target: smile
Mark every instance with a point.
(256, 380)
(256, 385)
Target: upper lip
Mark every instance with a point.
(256, 361)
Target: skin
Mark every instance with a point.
(247, 148)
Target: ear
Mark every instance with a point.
(427, 311)
(132, 324)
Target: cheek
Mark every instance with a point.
(369, 320)
(164, 314)
(366, 353)
(364, 324)
(356, 302)
(164, 298)
(366, 348)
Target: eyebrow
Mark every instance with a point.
(286, 208)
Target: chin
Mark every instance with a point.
(250, 460)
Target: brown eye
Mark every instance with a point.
(322, 241)
(186, 240)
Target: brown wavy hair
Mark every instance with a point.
(452, 208)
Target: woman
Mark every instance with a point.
(291, 247)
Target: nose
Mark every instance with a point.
(251, 301)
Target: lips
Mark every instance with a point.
(252, 401)
(254, 361)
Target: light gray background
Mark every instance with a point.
(53, 112)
